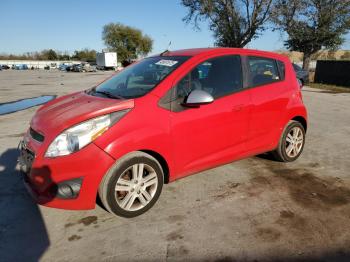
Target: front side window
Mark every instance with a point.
(139, 79)
(262, 71)
(218, 76)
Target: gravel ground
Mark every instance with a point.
(250, 210)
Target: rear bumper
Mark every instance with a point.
(45, 174)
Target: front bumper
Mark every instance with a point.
(42, 176)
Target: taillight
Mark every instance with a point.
(300, 95)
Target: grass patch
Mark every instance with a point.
(331, 88)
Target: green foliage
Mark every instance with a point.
(51, 55)
(47, 54)
(86, 55)
(64, 56)
(128, 42)
(234, 23)
(312, 25)
(4, 56)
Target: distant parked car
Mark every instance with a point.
(302, 75)
(63, 67)
(21, 67)
(88, 68)
(47, 67)
(69, 68)
(77, 68)
(83, 67)
(5, 67)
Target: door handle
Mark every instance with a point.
(237, 108)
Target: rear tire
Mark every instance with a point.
(132, 186)
(291, 143)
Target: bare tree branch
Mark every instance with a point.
(234, 23)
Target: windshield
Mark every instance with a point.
(139, 79)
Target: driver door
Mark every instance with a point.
(215, 133)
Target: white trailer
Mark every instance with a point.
(106, 60)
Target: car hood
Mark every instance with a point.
(66, 111)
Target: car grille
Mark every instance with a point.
(36, 136)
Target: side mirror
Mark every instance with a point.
(197, 98)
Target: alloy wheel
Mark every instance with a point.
(294, 142)
(136, 187)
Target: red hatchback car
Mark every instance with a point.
(160, 119)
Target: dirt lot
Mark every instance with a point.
(250, 210)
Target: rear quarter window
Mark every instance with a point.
(262, 71)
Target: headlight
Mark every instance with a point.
(80, 135)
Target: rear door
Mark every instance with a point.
(270, 96)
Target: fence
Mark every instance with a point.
(333, 72)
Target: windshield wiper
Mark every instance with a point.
(108, 94)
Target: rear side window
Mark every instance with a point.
(262, 71)
(282, 69)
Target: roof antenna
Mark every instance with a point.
(167, 50)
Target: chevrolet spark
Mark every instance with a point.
(160, 119)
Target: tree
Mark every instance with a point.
(86, 55)
(128, 42)
(51, 55)
(312, 25)
(234, 23)
(63, 56)
(47, 54)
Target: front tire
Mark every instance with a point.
(291, 143)
(132, 186)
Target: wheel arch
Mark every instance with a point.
(163, 163)
(301, 120)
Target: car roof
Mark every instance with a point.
(211, 50)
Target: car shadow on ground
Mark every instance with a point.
(338, 256)
(23, 235)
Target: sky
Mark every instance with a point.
(68, 25)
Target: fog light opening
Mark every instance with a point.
(68, 189)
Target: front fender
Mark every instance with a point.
(143, 128)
